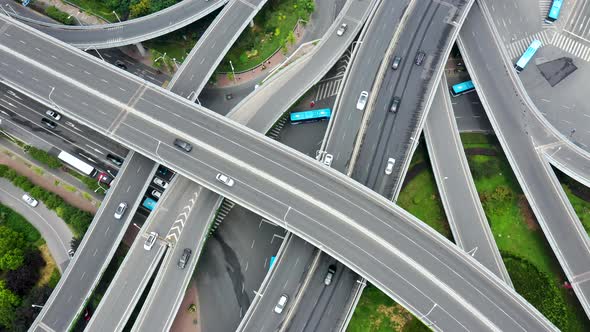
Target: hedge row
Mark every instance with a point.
(77, 219)
(59, 16)
(43, 157)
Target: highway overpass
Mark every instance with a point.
(349, 214)
(128, 32)
(465, 214)
(514, 123)
(97, 248)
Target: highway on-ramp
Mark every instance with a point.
(131, 31)
(463, 208)
(54, 230)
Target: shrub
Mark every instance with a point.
(44, 157)
(59, 16)
(538, 288)
(78, 220)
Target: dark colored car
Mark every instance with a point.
(104, 178)
(186, 255)
(183, 145)
(114, 159)
(120, 64)
(395, 104)
(49, 123)
(395, 63)
(420, 58)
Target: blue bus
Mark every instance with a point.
(272, 261)
(149, 204)
(462, 88)
(553, 14)
(312, 115)
(527, 56)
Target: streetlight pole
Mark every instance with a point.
(37, 306)
(160, 57)
(117, 16)
(232, 70)
(94, 47)
(77, 19)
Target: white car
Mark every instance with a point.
(342, 29)
(30, 200)
(161, 183)
(156, 194)
(389, 168)
(281, 304)
(225, 179)
(360, 104)
(120, 211)
(149, 242)
(328, 159)
(53, 114)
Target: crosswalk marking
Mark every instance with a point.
(571, 45)
(516, 48)
(327, 89)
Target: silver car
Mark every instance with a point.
(149, 242)
(342, 29)
(389, 168)
(120, 211)
(281, 304)
(225, 179)
(362, 101)
(30, 200)
(56, 116)
(328, 159)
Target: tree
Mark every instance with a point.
(26, 313)
(140, 9)
(8, 303)
(12, 245)
(22, 280)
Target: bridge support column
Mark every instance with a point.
(141, 49)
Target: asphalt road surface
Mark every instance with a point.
(465, 214)
(512, 122)
(343, 204)
(131, 31)
(361, 76)
(96, 248)
(54, 230)
(391, 134)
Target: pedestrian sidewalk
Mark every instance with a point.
(265, 68)
(57, 181)
(84, 17)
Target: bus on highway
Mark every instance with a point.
(311, 115)
(527, 55)
(149, 204)
(462, 88)
(553, 14)
(77, 164)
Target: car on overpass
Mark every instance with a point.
(281, 304)
(362, 101)
(120, 211)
